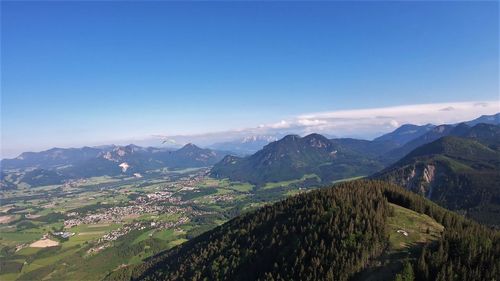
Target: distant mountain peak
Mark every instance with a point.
(405, 133)
(230, 159)
(493, 119)
(290, 137)
(293, 157)
(190, 146)
(411, 128)
(315, 136)
(317, 140)
(133, 147)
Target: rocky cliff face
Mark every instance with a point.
(417, 177)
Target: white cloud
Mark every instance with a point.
(310, 122)
(416, 112)
(361, 123)
(280, 125)
(394, 123)
(371, 121)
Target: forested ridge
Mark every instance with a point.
(328, 234)
(460, 174)
(466, 250)
(293, 157)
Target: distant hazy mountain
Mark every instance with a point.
(459, 173)
(486, 119)
(293, 157)
(405, 133)
(432, 135)
(409, 137)
(368, 148)
(39, 177)
(483, 131)
(120, 160)
(289, 158)
(244, 146)
(192, 156)
(487, 134)
(51, 158)
(56, 165)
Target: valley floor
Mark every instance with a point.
(98, 225)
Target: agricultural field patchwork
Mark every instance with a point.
(59, 231)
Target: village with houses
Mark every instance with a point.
(91, 216)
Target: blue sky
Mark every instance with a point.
(76, 73)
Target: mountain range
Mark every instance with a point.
(461, 173)
(383, 228)
(57, 165)
(456, 166)
(409, 137)
(293, 156)
(244, 146)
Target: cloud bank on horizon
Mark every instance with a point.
(359, 123)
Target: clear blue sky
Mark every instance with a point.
(86, 72)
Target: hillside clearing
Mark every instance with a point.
(408, 232)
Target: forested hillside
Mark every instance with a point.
(329, 234)
(460, 174)
(486, 133)
(292, 157)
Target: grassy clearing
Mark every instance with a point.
(295, 192)
(28, 251)
(348, 179)
(183, 171)
(271, 185)
(211, 182)
(166, 234)
(50, 260)
(241, 187)
(9, 276)
(102, 179)
(84, 233)
(20, 237)
(145, 235)
(419, 227)
(454, 164)
(176, 242)
(225, 186)
(104, 227)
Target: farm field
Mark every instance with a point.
(57, 231)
